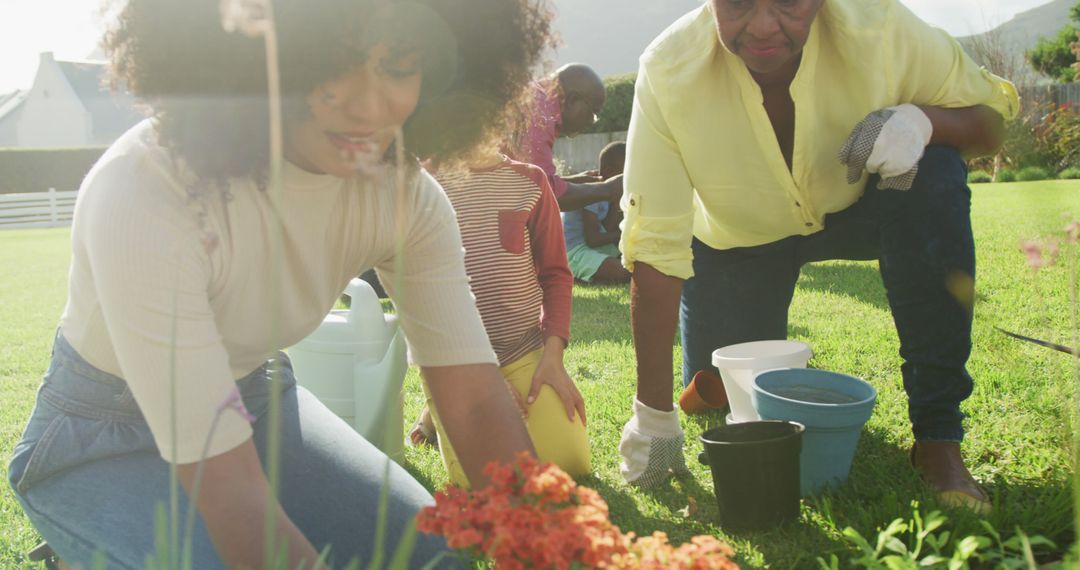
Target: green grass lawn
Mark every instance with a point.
(1018, 429)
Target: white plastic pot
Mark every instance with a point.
(738, 363)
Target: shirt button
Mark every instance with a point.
(809, 224)
(798, 205)
(632, 202)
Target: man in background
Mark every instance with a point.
(565, 104)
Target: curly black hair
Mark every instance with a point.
(206, 87)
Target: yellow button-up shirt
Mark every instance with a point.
(703, 160)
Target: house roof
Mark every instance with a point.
(112, 113)
(9, 102)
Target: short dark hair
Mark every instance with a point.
(612, 159)
(206, 87)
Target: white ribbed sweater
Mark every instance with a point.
(173, 280)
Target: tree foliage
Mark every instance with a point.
(619, 104)
(1054, 56)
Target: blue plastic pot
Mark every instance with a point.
(833, 407)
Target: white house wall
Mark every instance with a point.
(9, 134)
(52, 115)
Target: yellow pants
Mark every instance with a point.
(556, 439)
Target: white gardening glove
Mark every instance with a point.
(651, 447)
(888, 142)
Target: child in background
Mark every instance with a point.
(516, 262)
(592, 233)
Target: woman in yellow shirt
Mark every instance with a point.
(733, 183)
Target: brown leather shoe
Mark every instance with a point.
(942, 468)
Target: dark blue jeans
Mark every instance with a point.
(922, 239)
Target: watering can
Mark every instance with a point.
(355, 364)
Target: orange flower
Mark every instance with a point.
(534, 515)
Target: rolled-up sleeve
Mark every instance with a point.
(657, 196)
(936, 71)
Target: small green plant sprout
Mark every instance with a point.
(923, 542)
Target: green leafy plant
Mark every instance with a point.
(924, 542)
(1006, 175)
(979, 176)
(1071, 173)
(1060, 135)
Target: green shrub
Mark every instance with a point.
(979, 176)
(37, 170)
(1045, 134)
(615, 116)
(1061, 133)
(1006, 175)
(1032, 173)
(1071, 173)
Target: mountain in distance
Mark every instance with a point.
(609, 35)
(1021, 33)
(1025, 28)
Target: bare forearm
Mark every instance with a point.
(233, 498)
(479, 414)
(579, 195)
(974, 131)
(602, 238)
(612, 221)
(654, 309)
(582, 177)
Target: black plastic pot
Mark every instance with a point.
(755, 469)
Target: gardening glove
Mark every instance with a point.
(888, 142)
(651, 447)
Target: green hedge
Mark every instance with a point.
(1032, 174)
(37, 170)
(1071, 173)
(615, 115)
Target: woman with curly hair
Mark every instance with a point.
(189, 276)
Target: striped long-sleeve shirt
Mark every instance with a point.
(514, 254)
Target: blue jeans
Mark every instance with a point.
(89, 476)
(922, 239)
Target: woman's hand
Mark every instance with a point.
(552, 372)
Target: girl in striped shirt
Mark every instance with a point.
(516, 261)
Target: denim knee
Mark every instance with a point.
(941, 168)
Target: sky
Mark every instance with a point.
(71, 28)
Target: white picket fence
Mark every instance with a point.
(37, 209)
(582, 152)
